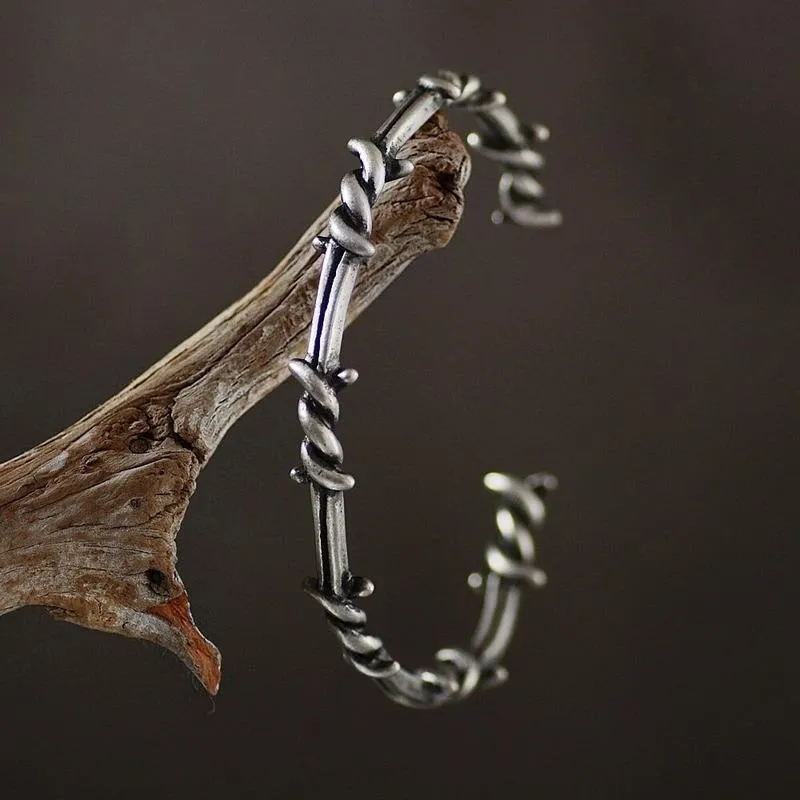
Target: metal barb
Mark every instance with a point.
(510, 559)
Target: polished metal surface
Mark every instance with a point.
(457, 672)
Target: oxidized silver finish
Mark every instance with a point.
(511, 558)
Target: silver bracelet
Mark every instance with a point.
(510, 559)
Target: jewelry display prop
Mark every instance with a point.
(90, 516)
(458, 672)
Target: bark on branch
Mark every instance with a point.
(89, 517)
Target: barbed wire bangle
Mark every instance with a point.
(510, 559)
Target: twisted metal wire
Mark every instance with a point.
(457, 672)
(321, 452)
(508, 141)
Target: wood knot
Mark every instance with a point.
(157, 582)
(139, 444)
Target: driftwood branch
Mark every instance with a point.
(89, 517)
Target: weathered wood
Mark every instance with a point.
(89, 517)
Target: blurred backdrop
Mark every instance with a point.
(157, 159)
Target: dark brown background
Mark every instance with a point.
(156, 159)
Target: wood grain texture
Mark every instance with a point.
(90, 517)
